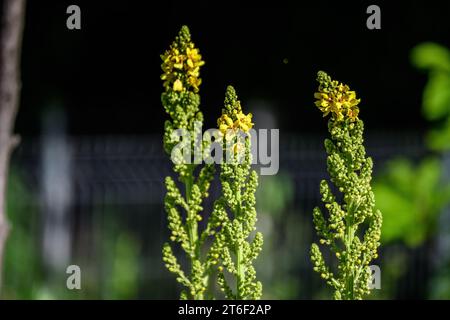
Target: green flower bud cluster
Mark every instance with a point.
(236, 245)
(352, 227)
(181, 67)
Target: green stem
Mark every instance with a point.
(192, 231)
(239, 254)
(350, 233)
(240, 272)
(191, 223)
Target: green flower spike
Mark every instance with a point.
(235, 210)
(181, 71)
(352, 227)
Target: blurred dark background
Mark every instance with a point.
(86, 184)
(107, 74)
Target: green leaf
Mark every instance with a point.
(428, 175)
(431, 55)
(410, 198)
(274, 194)
(436, 96)
(439, 139)
(399, 216)
(400, 173)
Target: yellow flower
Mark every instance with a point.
(336, 98)
(195, 83)
(228, 120)
(181, 66)
(243, 122)
(177, 85)
(223, 128)
(352, 113)
(238, 120)
(194, 57)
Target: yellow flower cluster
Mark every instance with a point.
(181, 67)
(336, 98)
(238, 120)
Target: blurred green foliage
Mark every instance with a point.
(282, 227)
(441, 284)
(275, 194)
(121, 280)
(22, 268)
(435, 59)
(411, 198)
(25, 276)
(431, 56)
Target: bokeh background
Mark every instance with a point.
(86, 182)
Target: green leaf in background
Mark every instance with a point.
(436, 96)
(274, 193)
(429, 55)
(427, 181)
(399, 215)
(411, 199)
(124, 282)
(23, 273)
(439, 139)
(401, 175)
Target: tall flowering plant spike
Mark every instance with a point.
(181, 80)
(235, 247)
(351, 229)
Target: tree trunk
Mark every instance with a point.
(11, 40)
